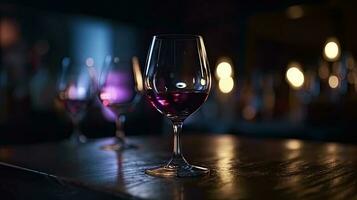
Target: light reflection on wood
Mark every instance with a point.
(242, 168)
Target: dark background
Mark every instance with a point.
(258, 38)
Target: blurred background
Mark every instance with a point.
(280, 68)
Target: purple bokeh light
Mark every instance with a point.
(118, 88)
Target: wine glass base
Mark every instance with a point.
(169, 171)
(118, 147)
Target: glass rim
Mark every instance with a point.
(177, 36)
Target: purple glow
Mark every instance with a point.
(117, 88)
(114, 94)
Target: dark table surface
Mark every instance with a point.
(241, 168)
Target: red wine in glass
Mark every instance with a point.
(177, 105)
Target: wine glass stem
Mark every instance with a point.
(177, 141)
(76, 136)
(76, 130)
(177, 159)
(119, 133)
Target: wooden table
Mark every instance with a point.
(241, 168)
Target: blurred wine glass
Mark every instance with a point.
(120, 85)
(76, 91)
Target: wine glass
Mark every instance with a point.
(75, 91)
(177, 82)
(120, 87)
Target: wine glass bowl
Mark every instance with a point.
(75, 91)
(177, 82)
(177, 105)
(119, 92)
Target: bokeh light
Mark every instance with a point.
(333, 81)
(137, 74)
(332, 49)
(295, 76)
(90, 62)
(295, 12)
(249, 112)
(9, 32)
(226, 85)
(224, 70)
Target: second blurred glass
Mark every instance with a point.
(119, 86)
(75, 91)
